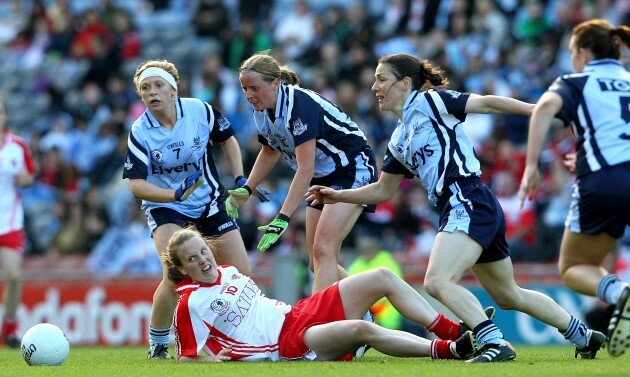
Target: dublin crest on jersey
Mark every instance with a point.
(197, 143)
(128, 164)
(157, 157)
(298, 127)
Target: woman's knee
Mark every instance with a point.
(507, 299)
(564, 264)
(382, 275)
(434, 285)
(13, 276)
(363, 330)
(323, 253)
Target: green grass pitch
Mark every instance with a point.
(552, 361)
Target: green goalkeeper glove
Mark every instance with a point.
(273, 231)
(260, 192)
(236, 198)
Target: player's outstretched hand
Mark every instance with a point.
(273, 231)
(260, 192)
(529, 184)
(321, 195)
(234, 201)
(188, 186)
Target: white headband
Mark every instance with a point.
(155, 71)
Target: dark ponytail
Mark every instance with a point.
(421, 72)
(601, 38)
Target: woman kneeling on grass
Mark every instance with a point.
(223, 313)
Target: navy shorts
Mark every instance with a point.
(600, 202)
(470, 206)
(212, 226)
(362, 173)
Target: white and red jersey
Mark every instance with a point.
(15, 158)
(230, 312)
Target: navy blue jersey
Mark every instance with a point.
(165, 157)
(302, 115)
(430, 142)
(596, 102)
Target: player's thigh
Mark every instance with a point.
(360, 291)
(331, 341)
(336, 222)
(452, 255)
(231, 251)
(11, 262)
(579, 249)
(312, 219)
(162, 234)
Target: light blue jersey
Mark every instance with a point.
(430, 141)
(302, 115)
(596, 102)
(165, 157)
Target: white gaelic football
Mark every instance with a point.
(45, 344)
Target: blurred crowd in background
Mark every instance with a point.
(66, 71)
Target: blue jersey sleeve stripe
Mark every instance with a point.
(137, 150)
(136, 165)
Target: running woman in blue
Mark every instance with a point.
(170, 167)
(430, 143)
(321, 143)
(595, 100)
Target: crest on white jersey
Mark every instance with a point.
(157, 157)
(298, 127)
(128, 164)
(220, 306)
